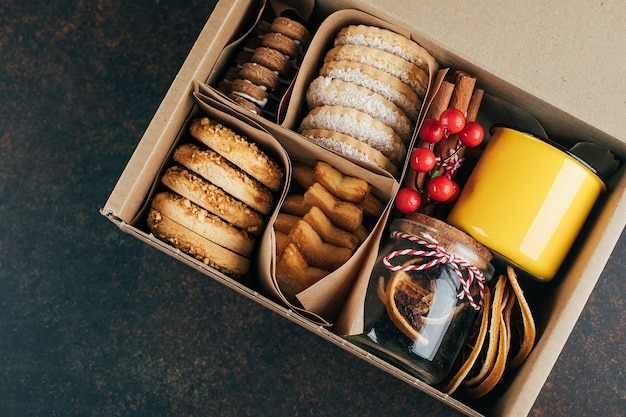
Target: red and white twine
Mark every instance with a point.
(452, 162)
(440, 256)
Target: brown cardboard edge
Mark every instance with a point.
(127, 195)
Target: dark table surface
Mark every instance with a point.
(96, 323)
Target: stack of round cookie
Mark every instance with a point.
(366, 99)
(217, 198)
(266, 65)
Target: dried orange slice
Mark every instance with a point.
(494, 334)
(488, 360)
(530, 332)
(408, 297)
(469, 362)
(496, 372)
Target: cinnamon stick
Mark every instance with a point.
(471, 113)
(461, 99)
(463, 87)
(474, 104)
(439, 103)
(460, 94)
(463, 90)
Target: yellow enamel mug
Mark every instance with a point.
(526, 200)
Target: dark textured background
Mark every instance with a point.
(95, 323)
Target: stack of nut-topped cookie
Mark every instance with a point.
(217, 198)
(322, 222)
(366, 99)
(266, 65)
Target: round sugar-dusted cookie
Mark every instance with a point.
(239, 151)
(282, 43)
(335, 92)
(249, 91)
(404, 70)
(291, 28)
(217, 170)
(350, 147)
(213, 199)
(272, 59)
(245, 103)
(360, 126)
(376, 80)
(201, 221)
(388, 41)
(199, 247)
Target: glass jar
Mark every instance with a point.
(424, 294)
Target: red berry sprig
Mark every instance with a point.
(439, 188)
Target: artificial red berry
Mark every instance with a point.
(431, 131)
(408, 200)
(422, 159)
(453, 120)
(441, 188)
(472, 134)
(455, 193)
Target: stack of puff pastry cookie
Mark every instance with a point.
(320, 225)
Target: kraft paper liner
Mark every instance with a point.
(255, 12)
(327, 297)
(323, 301)
(351, 319)
(313, 60)
(302, 8)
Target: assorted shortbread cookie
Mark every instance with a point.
(218, 195)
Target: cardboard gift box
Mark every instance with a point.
(470, 44)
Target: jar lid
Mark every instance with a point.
(448, 236)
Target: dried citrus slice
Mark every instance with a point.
(409, 296)
(494, 334)
(491, 356)
(460, 375)
(529, 330)
(495, 375)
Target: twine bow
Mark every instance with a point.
(440, 256)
